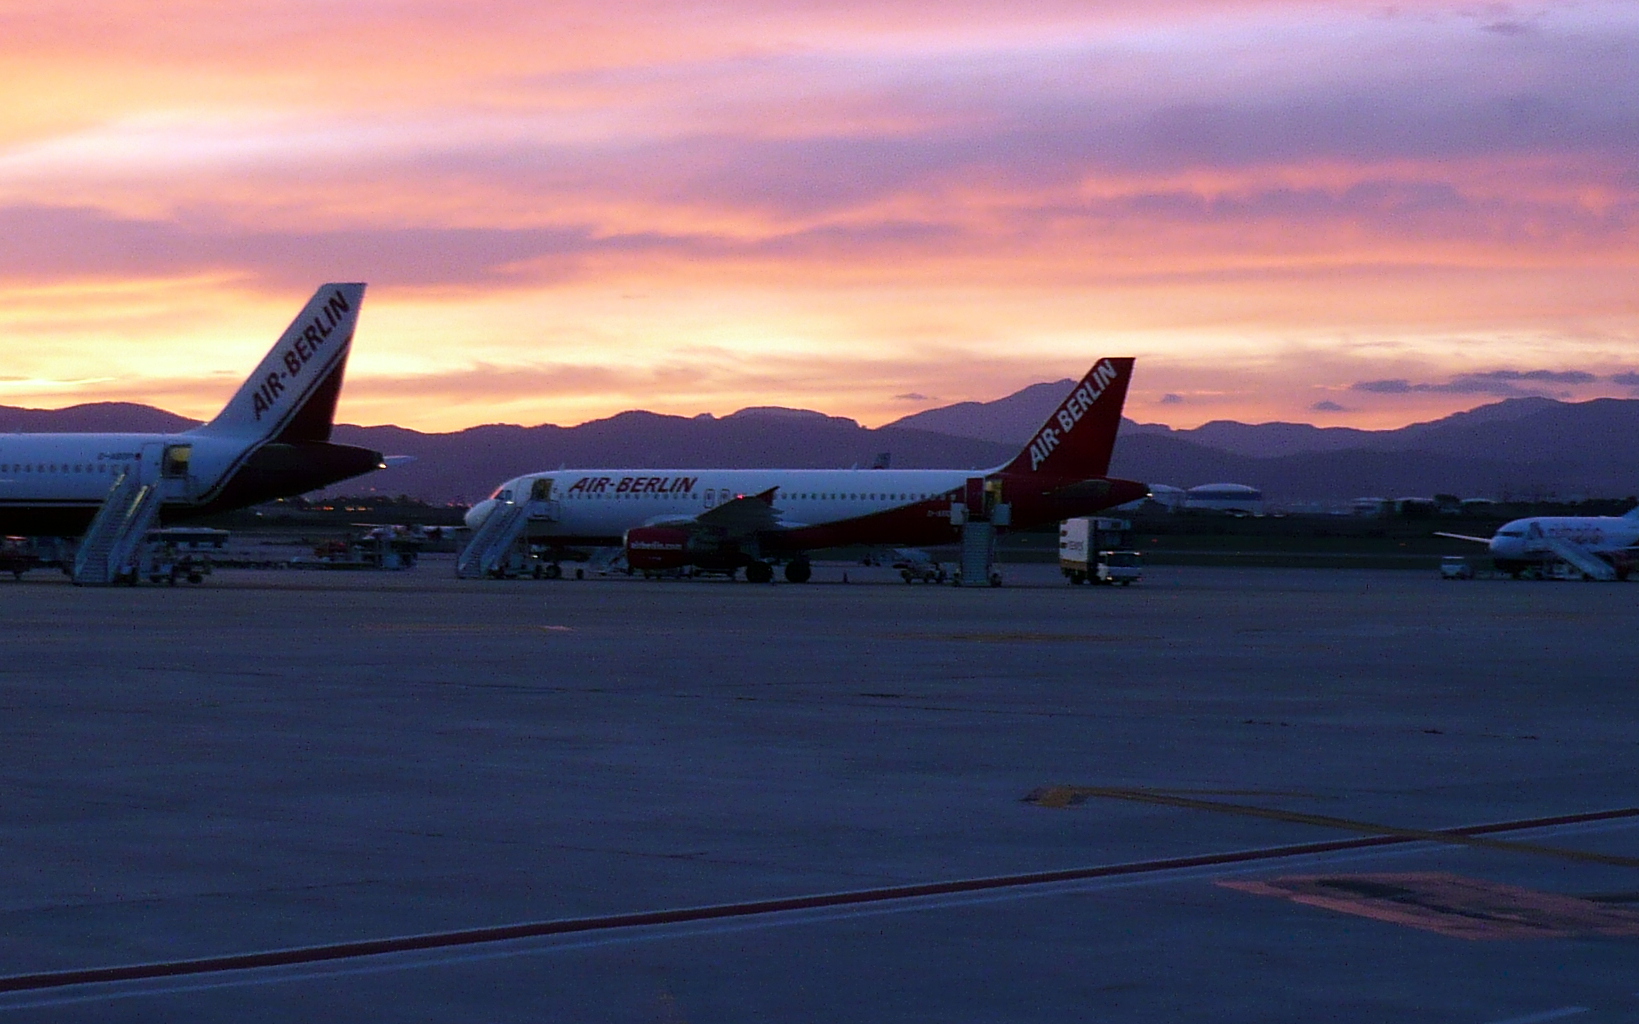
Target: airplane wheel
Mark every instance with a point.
(554, 572)
(580, 574)
(799, 571)
(759, 572)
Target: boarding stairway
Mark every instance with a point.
(1584, 561)
(978, 553)
(495, 539)
(110, 549)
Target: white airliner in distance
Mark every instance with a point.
(1602, 547)
(272, 440)
(719, 520)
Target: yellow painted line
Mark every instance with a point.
(1068, 796)
(1019, 637)
(457, 628)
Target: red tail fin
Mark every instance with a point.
(1076, 441)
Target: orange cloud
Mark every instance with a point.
(567, 207)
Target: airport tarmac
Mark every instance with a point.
(284, 759)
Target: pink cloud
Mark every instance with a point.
(1276, 169)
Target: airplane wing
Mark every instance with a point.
(1463, 536)
(747, 514)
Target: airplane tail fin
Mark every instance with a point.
(1076, 441)
(292, 395)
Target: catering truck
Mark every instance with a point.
(1094, 549)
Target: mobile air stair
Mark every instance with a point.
(978, 553)
(111, 548)
(981, 515)
(496, 539)
(1585, 561)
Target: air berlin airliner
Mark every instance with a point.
(272, 440)
(721, 520)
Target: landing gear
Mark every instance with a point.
(759, 572)
(798, 571)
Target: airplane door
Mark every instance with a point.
(541, 489)
(148, 463)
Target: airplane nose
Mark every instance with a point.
(478, 513)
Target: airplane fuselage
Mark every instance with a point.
(53, 484)
(1525, 541)
(817, 507)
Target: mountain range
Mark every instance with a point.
(1521, 447)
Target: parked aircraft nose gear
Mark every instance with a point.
(759, 572)
(799, 571)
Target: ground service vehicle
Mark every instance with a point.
(1455, 567)
(1095, 548)
(1123, 567)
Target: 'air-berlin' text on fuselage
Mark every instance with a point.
(304, 348)
(1071, 412)
(634, 484)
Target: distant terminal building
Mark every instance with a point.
(1224, 498)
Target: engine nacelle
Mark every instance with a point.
(650, 548)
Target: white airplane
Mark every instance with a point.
(272, 440)
(1600, 547)
(720, 520)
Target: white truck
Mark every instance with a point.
(1094, 549)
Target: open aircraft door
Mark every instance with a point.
(171, 467)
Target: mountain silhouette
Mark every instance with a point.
(1518, 448)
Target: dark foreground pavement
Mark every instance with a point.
(283, 759)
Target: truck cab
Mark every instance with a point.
(1119, 567)
(1094, 549)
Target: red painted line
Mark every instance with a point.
(539, 929)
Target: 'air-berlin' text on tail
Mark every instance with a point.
(1076, 441)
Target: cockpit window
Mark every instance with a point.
(1510, 533)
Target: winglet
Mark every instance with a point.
(292, 395)
(1076, 441)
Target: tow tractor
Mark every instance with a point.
(917, 566)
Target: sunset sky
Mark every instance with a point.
(1341, 213)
